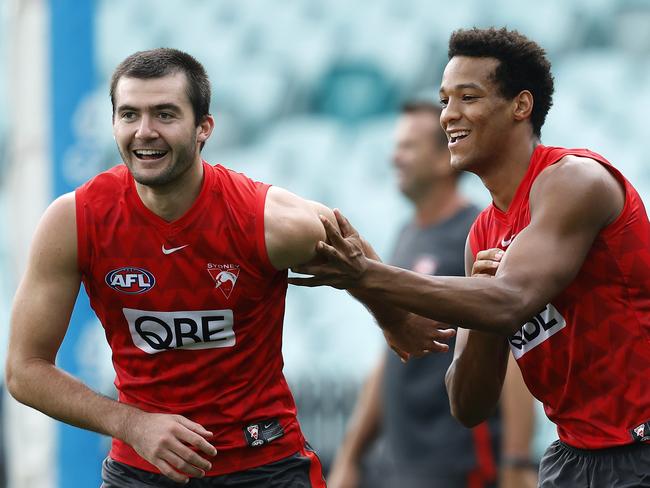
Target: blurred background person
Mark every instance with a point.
(401, 432)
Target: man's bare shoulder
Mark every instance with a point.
(64, 203)
(580, 182)
(576, 170)
(56, 234)
(62, 211)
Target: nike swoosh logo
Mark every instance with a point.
(506, 243)
(173, 249)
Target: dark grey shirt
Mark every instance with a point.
(419, 435)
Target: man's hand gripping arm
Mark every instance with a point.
(294, 229)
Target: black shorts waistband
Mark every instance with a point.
(607, 451)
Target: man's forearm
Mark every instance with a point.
(405, 332)
(475, 377)
(473, 302)
(41, 385)
(518, 426)
(387, 316)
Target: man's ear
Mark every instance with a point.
(523, 105)
(205, 128)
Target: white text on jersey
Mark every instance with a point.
(536, 330)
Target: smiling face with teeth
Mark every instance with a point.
(155, 129)
(478, 121)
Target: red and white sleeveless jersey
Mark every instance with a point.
(586, 355)
(193, 312)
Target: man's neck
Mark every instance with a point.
(440, 202)
(504, 176)
(170, 202)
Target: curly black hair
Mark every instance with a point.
(522, 65)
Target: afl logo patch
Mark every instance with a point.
(130, 280)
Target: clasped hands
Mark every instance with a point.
(340, 262)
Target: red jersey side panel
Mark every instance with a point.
(586, 355)
(192, 310)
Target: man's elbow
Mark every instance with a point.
(504, 317)
(504, 320)
(468, 407)
(16, 380)
(468, 416)
(506, 323)
(510, 307)
(11, 380)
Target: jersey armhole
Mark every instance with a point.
(83, 254)
(260, 202)
(472, 238)
(619, 221)
(613, 226)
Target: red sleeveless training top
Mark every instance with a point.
(193, 311)
(586, 355)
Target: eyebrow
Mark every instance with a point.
(161, 106)
(462, 86)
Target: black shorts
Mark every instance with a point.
(301, 470)
(564, 466)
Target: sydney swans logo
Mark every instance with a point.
(225, 276)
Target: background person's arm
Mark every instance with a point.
(362, 430)
(517, 469)
(39, 321)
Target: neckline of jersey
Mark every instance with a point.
(185, 219)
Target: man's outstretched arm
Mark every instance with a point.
(39, 321)
(570, 203)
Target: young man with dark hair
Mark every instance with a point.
(523, 66)
(570, 296)
(185, 266)
(401, 432)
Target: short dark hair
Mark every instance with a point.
(522, 65)
(156, 63)
(424, 103)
